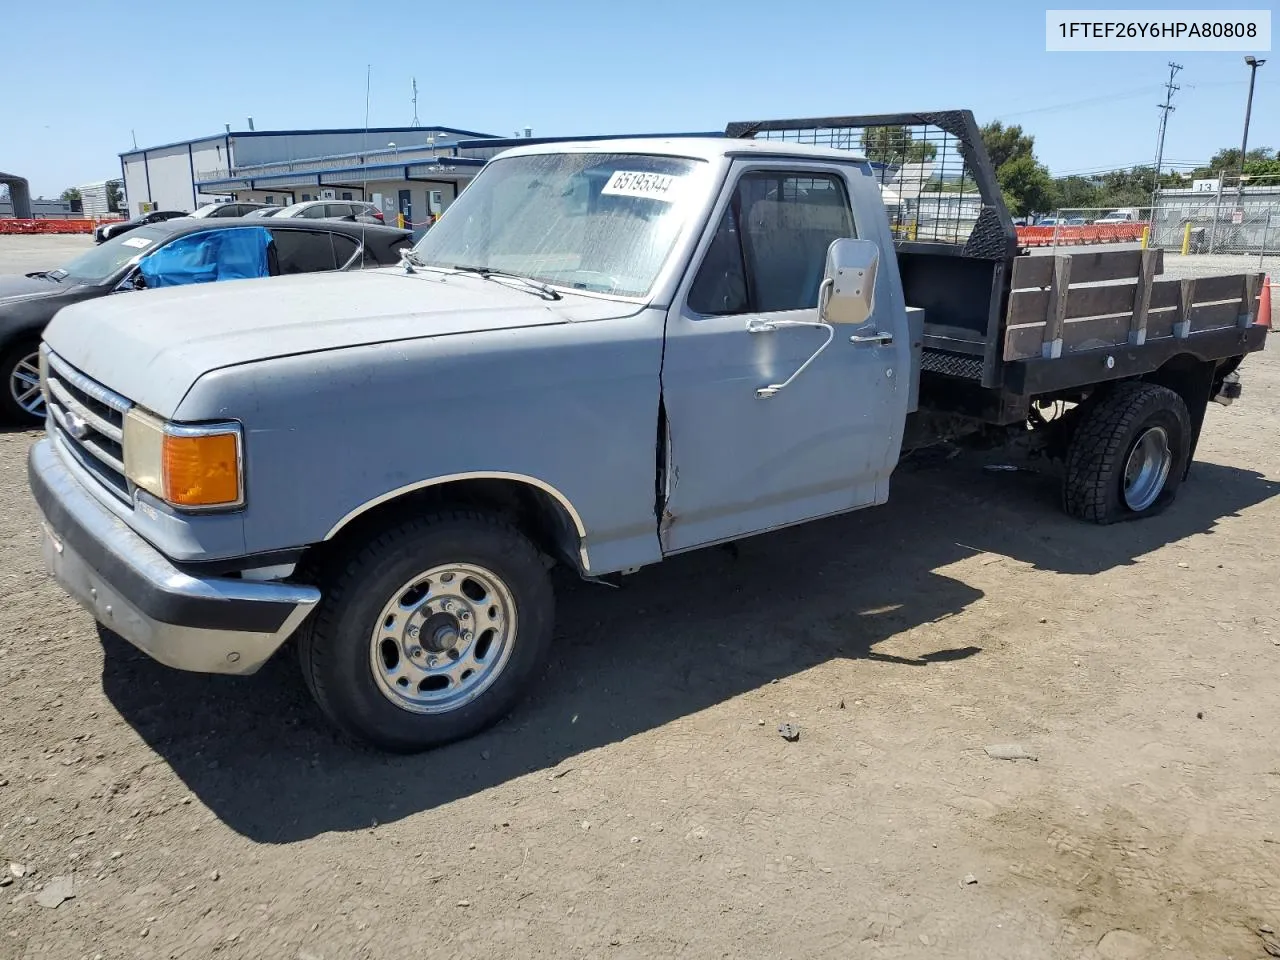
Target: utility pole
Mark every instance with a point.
(415, 104)
(1165, 109)
(1253, 64)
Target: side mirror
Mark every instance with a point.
(848, 289)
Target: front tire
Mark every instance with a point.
(431, 632)
(1128, 454)
(21, 401)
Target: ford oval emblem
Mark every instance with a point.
(77, 426)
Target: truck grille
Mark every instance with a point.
(88, 419)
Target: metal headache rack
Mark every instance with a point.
(955, 240)
(936, 179)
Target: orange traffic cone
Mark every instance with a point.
(1264, 304)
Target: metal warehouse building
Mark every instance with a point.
(416, 171)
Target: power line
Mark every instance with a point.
(1054, 108)
(1165, 108)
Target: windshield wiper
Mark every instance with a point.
(488, 273)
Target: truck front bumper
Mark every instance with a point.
(204, 624)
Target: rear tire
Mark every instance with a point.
(1128, 454)
(21, 401)
(431, 632)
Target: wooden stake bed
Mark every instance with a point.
(1071, 303)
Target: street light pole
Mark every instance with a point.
(1254, 63)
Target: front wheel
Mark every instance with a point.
(431, 632)
(1128, 454)
(22, 401)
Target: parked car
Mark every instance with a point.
(333, 210)
(169, 254)
(604, 355)
(106, 231)
(234, 208)
(266, 210)
(1118, 216)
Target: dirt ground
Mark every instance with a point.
(642, 804)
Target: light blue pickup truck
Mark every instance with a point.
(604, 354)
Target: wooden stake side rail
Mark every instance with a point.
(1087, 301)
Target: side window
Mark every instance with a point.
(720, 288)
(770, 249)
(344, 248)
(337, 209)
(206, 257)
(315, 212)
(303, 251)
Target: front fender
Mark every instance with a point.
(571, 409)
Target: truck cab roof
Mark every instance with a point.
(697, 148)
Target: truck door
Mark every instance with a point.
(738, 462)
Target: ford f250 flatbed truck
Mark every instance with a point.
(602, 355)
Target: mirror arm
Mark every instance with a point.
(824, 295)
(771, 326)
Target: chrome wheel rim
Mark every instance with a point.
(1147, 468)
(24, 385)
(443, 638)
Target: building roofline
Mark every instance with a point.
(293, 133)
(357, 171)
(505, 142)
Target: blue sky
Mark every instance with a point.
(566, 67)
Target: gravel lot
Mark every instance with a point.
(643, 805)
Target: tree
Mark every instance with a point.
(1127, 188)
(1024, 181)
(1006, 143)
(1026, 186)
(1076, 192)
(1227, 160)
(72, 196)
(895, 145)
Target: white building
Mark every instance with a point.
(94, 198)
(415, 171)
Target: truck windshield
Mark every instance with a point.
(601, 222)
(103, 261)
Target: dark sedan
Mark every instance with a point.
(106, 231)
(168, 254)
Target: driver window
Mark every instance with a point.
(770, 248)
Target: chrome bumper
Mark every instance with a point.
(208, 625)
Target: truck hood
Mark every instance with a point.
(153, 345)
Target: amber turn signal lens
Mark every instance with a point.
(202, 471)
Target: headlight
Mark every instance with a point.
(192, 467)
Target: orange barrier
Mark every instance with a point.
(1041, 236)
(47, 225)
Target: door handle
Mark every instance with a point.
(878, 339)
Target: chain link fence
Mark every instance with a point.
(1224, 221)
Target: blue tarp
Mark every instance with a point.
(232, 254)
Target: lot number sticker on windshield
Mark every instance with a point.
(140, 242)
(649, 186)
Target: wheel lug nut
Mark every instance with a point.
(431, 661)
(466, 635)
(446, 606)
